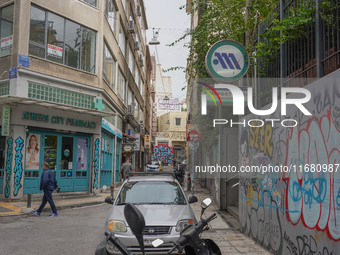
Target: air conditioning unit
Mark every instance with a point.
(130, 109)
(136, 45)
(131, 28)
(139, 10)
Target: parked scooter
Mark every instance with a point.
(136, 222)
(190, 240)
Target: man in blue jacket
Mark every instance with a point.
(48, 183)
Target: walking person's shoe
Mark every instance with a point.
(53, 214)
(36, 213)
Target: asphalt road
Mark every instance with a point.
(74, 231)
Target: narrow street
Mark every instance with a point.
(74, 231)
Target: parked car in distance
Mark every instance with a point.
(164, 206)
(153, 166)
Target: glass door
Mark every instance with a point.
(82, 166)
(66, 164)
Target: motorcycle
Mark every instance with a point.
(179, 173)
(136, 222)
(190, 240)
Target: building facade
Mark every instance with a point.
(72, 88)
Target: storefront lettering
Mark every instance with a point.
(58, 120)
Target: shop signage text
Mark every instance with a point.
(5, 120)
(58, 120)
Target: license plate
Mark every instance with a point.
(148, 242)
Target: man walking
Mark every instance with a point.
(125, 169)
(47, 183)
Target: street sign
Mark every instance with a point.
(193, 136)
(227, 61)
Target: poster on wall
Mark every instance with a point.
(82, 147)
(32, 152)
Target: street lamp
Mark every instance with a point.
(154, 40)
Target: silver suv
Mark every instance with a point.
(164, 206)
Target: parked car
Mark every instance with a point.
(164, 206)
(153, 166)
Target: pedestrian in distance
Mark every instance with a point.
(48, 184)
(125, 169)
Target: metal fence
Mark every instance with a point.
(314, 54)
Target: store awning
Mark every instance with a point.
(14, 101)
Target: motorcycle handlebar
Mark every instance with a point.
(210, 218)
(173, 248)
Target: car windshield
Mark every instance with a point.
(153, 163)
(151, 192)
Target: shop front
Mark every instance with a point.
(69, 141)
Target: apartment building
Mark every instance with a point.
(72, 90)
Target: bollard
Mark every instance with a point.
(29, 200)
(189, 183)
(112, 187)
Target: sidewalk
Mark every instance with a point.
(227, 236)
(61, 200)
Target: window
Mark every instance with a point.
(111, 14)
(109, 67)
(6, 30)
(55, 38)
(73, 46)
(131, 60)
(178, 121)
(121, 85)
(129, 96)
(122, 39)
(91, 2)
(136, 110)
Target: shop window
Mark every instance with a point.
(66, 156)
(6, 30)
(50, 151)
(33, 152)
(74, 46)
(82, 152)
(111, 14)
(106, 151)
(109, 67)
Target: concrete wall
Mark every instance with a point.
(295, 212)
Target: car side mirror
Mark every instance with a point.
(109, 200)
(192, 199)
(136, 222)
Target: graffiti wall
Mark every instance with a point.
(292, 205)
(164, 153)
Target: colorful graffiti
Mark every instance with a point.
(295, 212)
(9, 166)
(313, 196)
(96, 163)
(164, 153)
(18, 169)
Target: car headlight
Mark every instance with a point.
(117, 226)
(182, 224)
(111, 248)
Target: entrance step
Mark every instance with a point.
(233, 210)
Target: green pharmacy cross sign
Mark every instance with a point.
(227, 61)
(99, 105)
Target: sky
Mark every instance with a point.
(172, 23)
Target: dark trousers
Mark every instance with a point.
(47, 198)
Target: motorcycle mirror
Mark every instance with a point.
(157, 243)
(205, 203)
(109, 200)
(136, 222)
